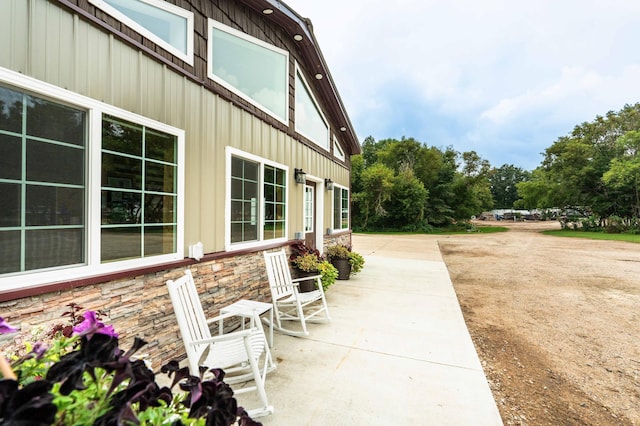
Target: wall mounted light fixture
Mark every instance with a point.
(300, 176)
(328, 184)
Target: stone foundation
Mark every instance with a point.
(140, 306)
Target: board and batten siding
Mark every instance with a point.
(46, 42)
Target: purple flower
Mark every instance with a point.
(5, 328)
(39, 350)
(91, 326)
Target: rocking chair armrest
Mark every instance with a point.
(286, 285)
(221, 317)
(311, 277)
(229, 336)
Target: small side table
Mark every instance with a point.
(252, 309)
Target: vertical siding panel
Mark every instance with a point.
(15, 41)
(60, 46)
(210, 173)
(36, 65)
(195, 145)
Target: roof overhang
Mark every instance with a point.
(295, 26)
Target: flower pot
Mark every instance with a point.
(305, 285)
(343, 266)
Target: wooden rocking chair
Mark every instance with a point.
(238, 353)
(289, 304)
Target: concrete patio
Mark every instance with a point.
(397, 351)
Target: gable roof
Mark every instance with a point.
(301, 30)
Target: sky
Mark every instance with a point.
(504, 78)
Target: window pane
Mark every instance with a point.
(280, 177)
(337, 208)
(269, 174)
(241, 232)
(249, 211)
(120, 207)
(10, 211)
(54, 122)
(10, 110)
(279, 194)
(120, 243)
(159, 208)
(345, 209)
(121, 136)
(48, 162)
(160, 146)
(269, 213)
(168, 26)
(121, 172)
(269, 193)
(159, 240)
(53, 247)
(159, 177)
(308, 119)
(9, 251)
(50, 205)
(256, 71)
(10, 157)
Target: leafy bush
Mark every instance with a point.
(83, 378)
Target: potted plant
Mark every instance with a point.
(305, 262)
(345, 260)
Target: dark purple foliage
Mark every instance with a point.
(98, 348)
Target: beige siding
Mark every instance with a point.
(46, 42)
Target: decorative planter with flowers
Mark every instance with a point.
(345, 260)
(306, 262)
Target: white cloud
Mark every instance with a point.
(491, 68)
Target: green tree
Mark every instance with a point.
(624, 173)
(377, 183)
(504, 181)
(407, 203)
(571, 174)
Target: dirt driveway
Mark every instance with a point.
(556, 322)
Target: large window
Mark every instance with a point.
(42, 183)
(86, 188)
(257, 207)
(309, 119)
(251, 68)
(340, 208)
(139, 193)
(169, 26)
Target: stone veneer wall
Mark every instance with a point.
(344, 239)
(140, 306)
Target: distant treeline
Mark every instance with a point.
(406, 185)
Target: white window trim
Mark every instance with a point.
(215, 24)
(317, 104)
(337, 150)
(333, 200)
(95, 110)
(230, 152)
(168, 7)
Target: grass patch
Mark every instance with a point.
(475, 230)
(631, 238)
(441, 231)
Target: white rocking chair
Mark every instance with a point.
(289, 304)
(238, 353)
